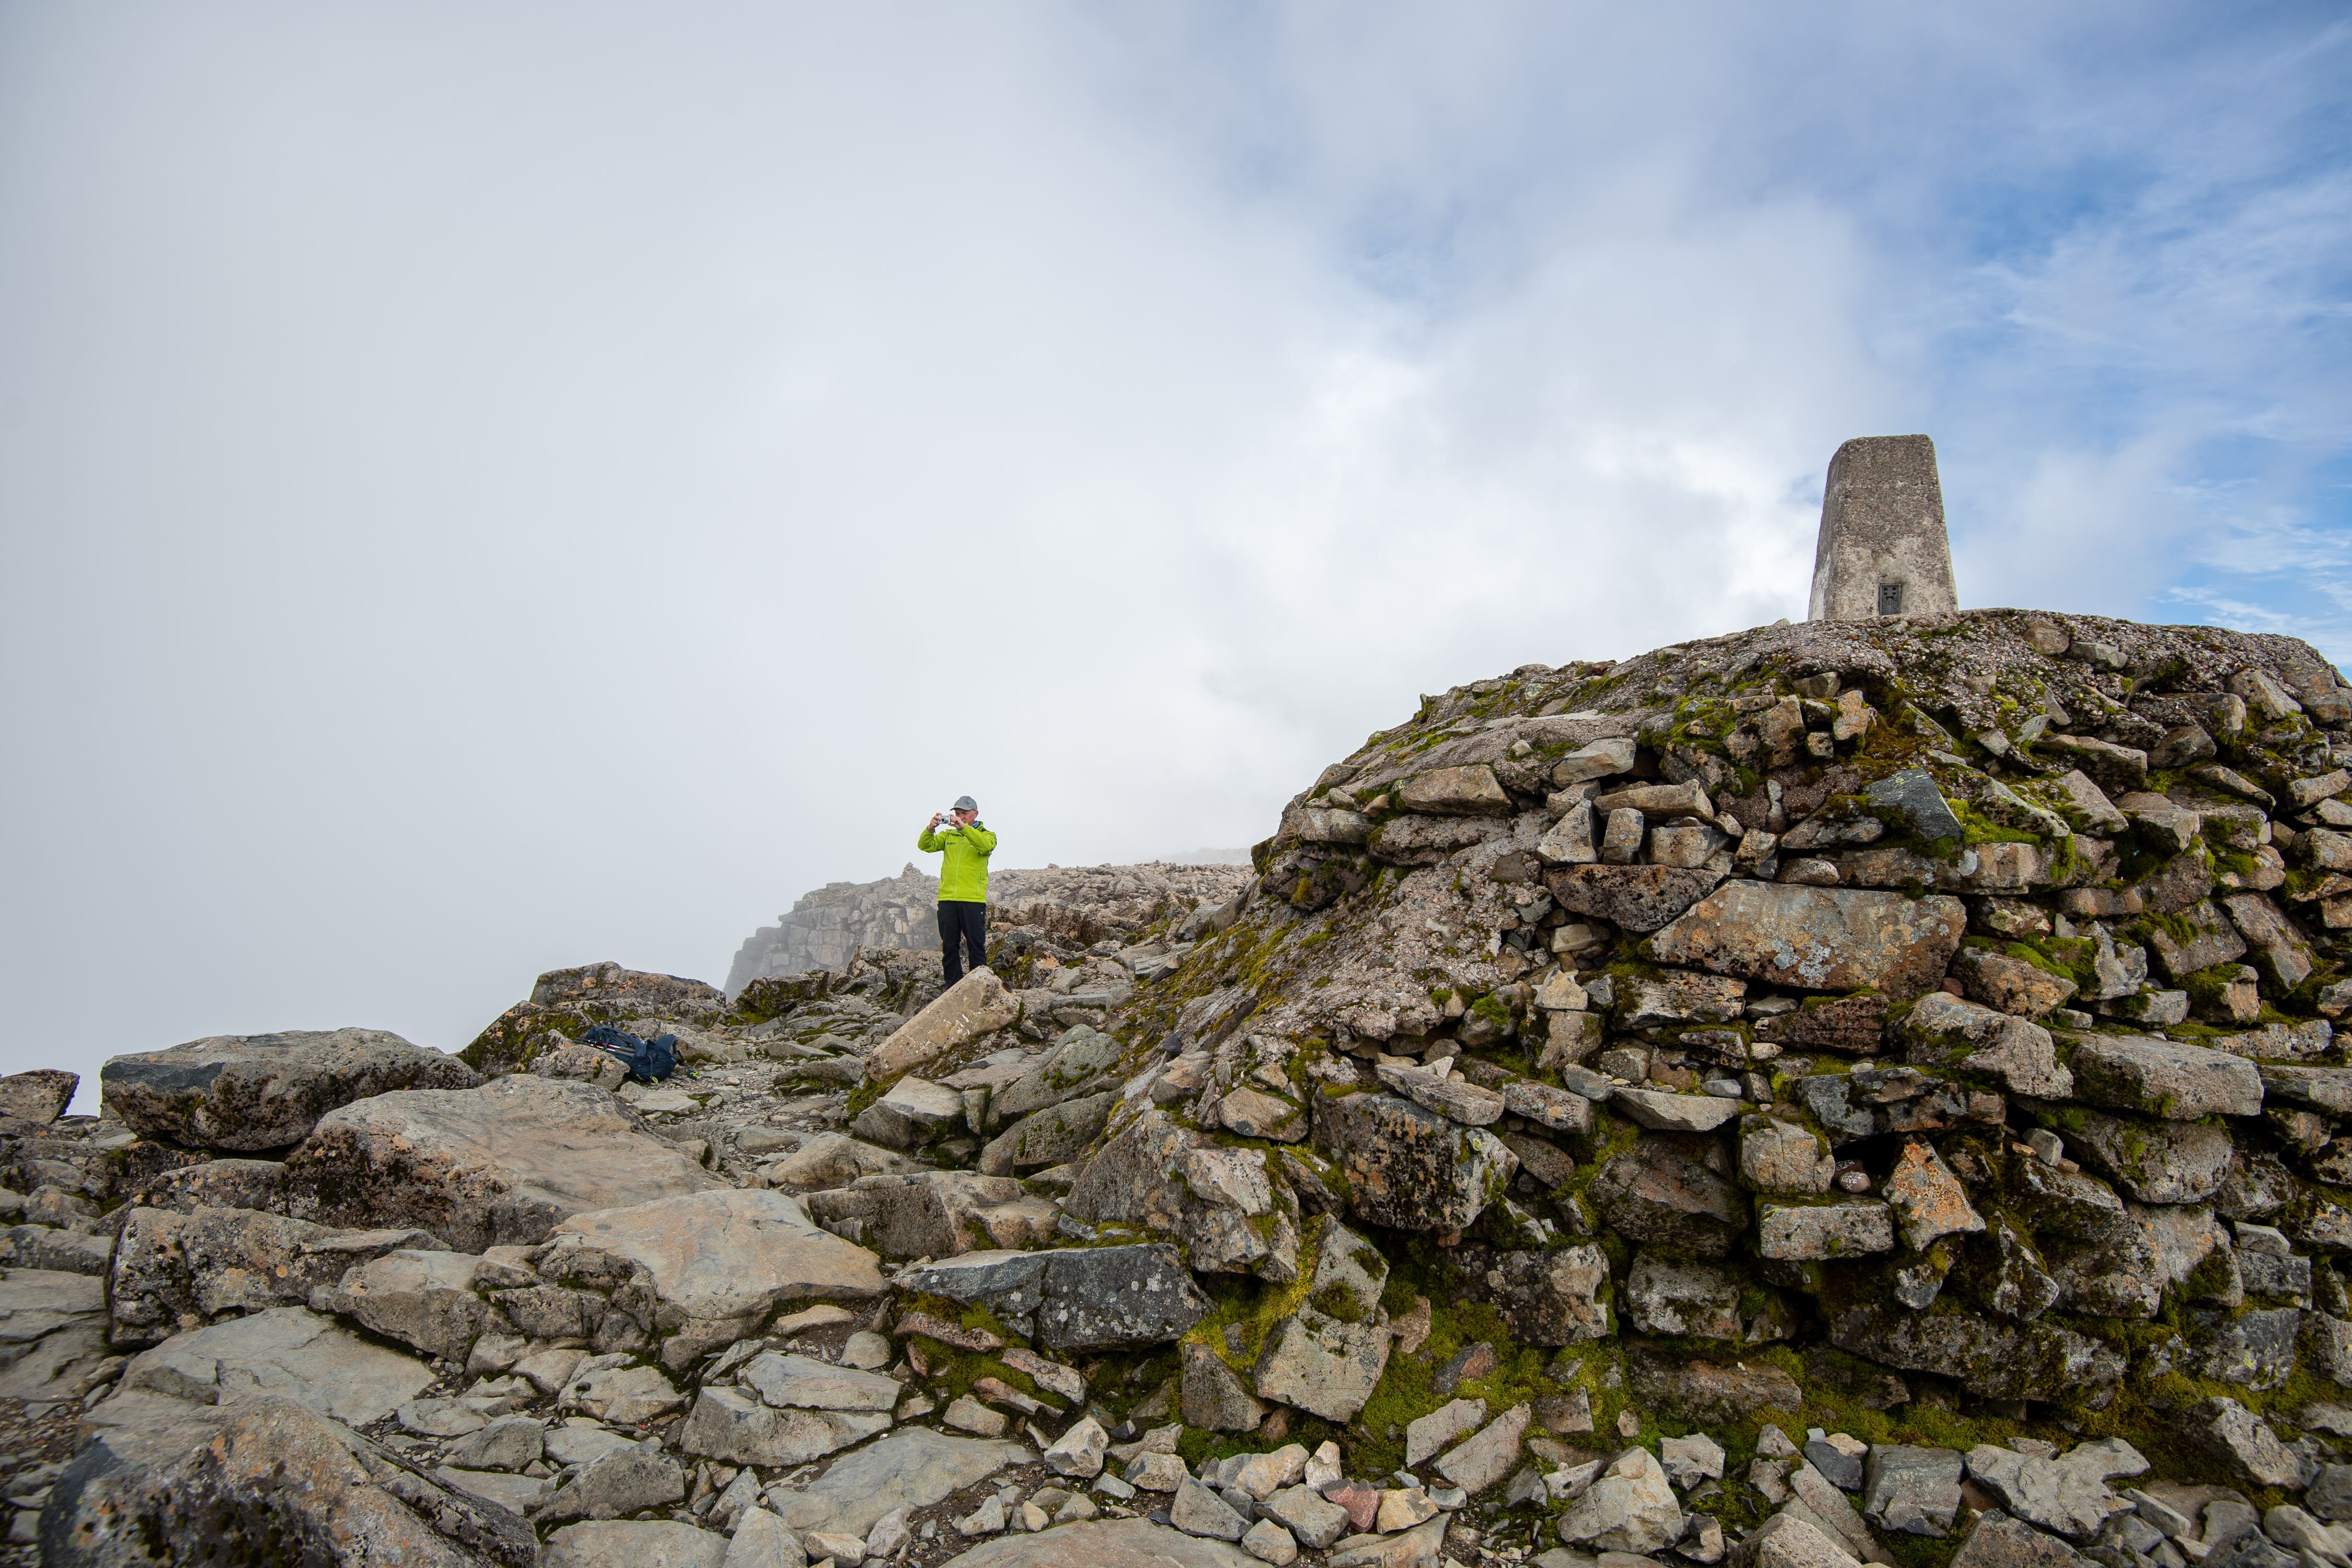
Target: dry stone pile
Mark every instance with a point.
(1857, 1092)
(1081, 904)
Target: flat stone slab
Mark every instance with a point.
(726, 1256)
(912, 1467)
(2163, 1078)
(2327, 1091)
(1662, 1112)
(52, 1334)
(1818, 938)
(265, 1092)
(499, 1165)
(265, 1481)
(1819, 1231)
(634, 1543)
(811, 1385)
(287, 1352)
(1105, 1543)
(734, 1426)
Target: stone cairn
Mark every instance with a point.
(1860, 1091)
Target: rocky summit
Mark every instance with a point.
(1862, 1092)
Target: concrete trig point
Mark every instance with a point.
(1883, 551)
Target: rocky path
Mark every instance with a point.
(1855, 1093)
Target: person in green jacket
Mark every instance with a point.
(964, 885)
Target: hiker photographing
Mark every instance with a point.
(964, 885)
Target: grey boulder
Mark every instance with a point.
(265, 1481)
(265, 1092)
(499, 1165)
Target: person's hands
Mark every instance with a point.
(936, 820)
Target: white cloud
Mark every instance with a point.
(486, 490)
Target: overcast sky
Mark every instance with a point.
(487, 487)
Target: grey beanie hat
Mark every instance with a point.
(965, 802)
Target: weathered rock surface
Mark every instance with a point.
(913, 1467)
(719, 1263)
(266, 1480)
(975, 1005)
(174, 1271)
(498, 1165)
(53, 1334)
(1409, 1167)
(1109, 1543)
(265, 1092)
(1638, 897)
(1673, 1191)
(34, 1099)
(1817, 939)
(287, 1352)
(2165, 1078)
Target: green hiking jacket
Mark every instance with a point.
(963, 875)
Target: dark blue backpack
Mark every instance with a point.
(647, 1060)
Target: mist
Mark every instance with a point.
(491, 487)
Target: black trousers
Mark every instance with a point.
(962, 925)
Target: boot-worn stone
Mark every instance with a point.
(911, 1469)
(936, 1214)
(736, 1428)
(287, 1352)
(913, 1113)
(53, 1338)
(788, 1382)
(651, 1544)
(498, 1165)
(424, 1298)
(718, 1264)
